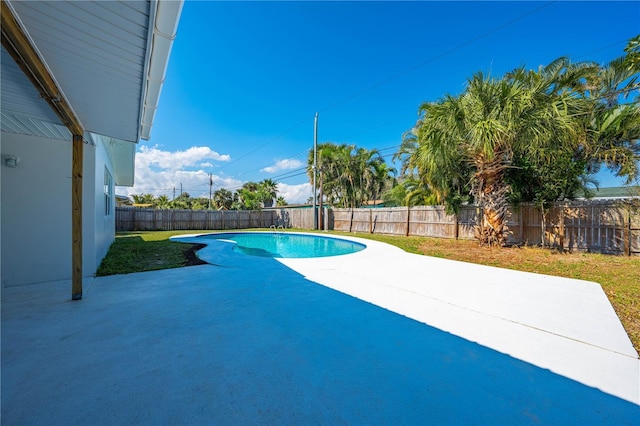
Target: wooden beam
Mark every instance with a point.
(76, 217)
(18, 44)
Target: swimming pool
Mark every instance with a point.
(285, 245)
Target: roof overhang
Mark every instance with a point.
(108, 60)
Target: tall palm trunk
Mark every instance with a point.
(490, 191)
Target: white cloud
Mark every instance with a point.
(161, 172)
(166, 160)
(286, 164)
(295, 194)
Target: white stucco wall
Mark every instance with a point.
(36, 210)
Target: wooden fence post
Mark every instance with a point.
(521, 224)
(562, 228)
(626, 233)
(351, 220)
(457, 224)
(406, 234)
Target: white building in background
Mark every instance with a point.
(105, 63)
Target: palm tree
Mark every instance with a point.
(330, 162)
(269, 191)
(381, 173)
(632, 52)
(200, 203)
(614, 126)
(433, 176)
(222, 199)
(162, 202)
(479, 132)
(143, 199)
(349, 176)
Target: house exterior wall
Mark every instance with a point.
(104, 225)
(36, 210)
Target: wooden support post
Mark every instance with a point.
(76, 217)
(371, 221)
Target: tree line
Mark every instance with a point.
(528, 136)
(251, 196)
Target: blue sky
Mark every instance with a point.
(246, 78)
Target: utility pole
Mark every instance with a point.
(321, 215)
(174, 193)
(210, 188)
(180, 189)
(315, 171)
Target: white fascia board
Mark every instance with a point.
(163, 24)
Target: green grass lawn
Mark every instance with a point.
(144, 251)
(618, 275)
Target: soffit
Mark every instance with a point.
(23, 110)
(97, 53)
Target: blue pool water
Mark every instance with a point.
(287, 245)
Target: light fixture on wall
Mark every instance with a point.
(10, 160)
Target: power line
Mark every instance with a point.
(439, 56)
(602, 48)
(426, 62)
(378, 126)
(268, 142)
(393, 77)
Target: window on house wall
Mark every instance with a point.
(108, 192)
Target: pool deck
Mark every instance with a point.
(375, 337)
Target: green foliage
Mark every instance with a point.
(143, 199)
(222, 199)
(349, 176)
(410, 192)
(632, 51)
(252, 196)
(532, 135)
(256, 195)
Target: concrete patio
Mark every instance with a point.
(375, 337)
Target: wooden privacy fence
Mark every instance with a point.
(135, 219)
(424, 221)
(606, 227)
